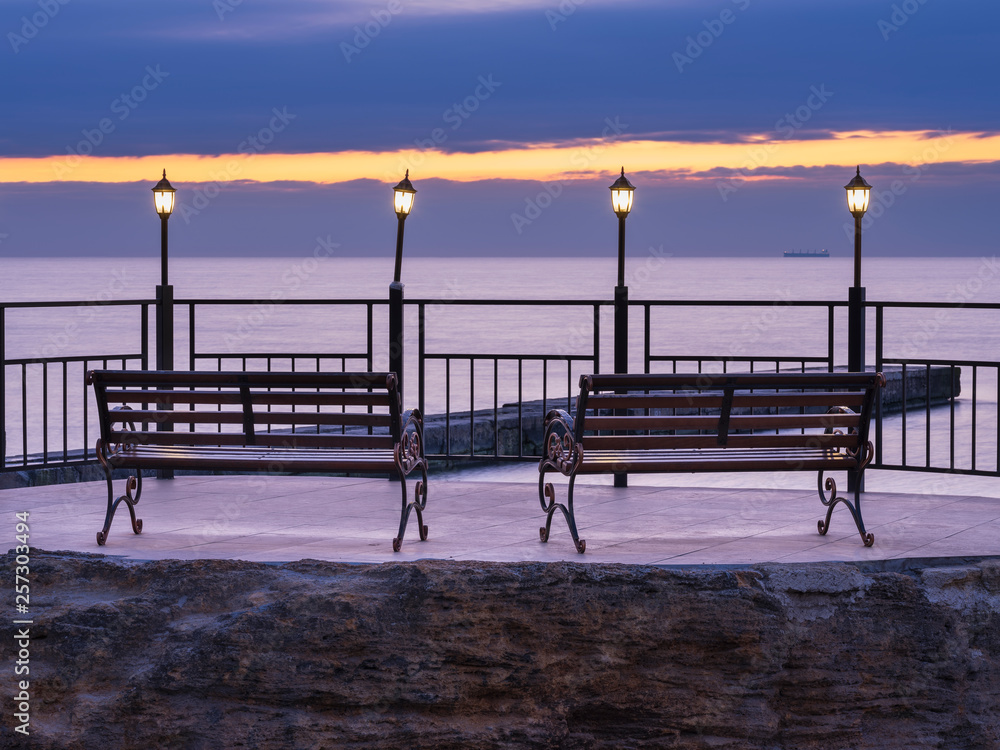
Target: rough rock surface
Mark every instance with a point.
(222, 654)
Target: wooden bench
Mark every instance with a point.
(713, 423)
(274, 422)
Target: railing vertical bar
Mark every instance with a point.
(997, 467)
(472, 406)
(902, 439)
(829, 337)
(447, 406)
(496, 408)
(520, 408)
(86, 442)
(421, 355)
(545, 386)
(65, 409)
(45, 413)
(927, 416)
(597, 338)
(646, 336)
(144, 335)
(24, 414)
(569, 385)
(951, 436)
(975, 373)
(879, 367)
(191, 350)
(371, 339)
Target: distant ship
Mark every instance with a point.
(807, 254)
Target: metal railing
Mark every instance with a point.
(42, 397)
(40, 394)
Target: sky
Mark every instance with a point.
(283, 121)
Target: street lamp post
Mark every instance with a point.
(163, 201)
(621, 202)
(858, 193)
(403, 202)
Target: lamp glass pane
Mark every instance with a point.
(621, 200)
(404, 202)
(164, 201)
(857, 199)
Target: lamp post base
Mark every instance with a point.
(164, 350)
(621, 354)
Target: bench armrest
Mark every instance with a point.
(561, 452)
(409, 451)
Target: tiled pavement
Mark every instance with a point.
(276, 519)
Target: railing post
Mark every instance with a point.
(396, 333)
(856, 329)
(164, 350)
(621, 351)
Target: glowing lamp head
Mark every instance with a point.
(858, 193)
(621, 195)
(163, 197)
(403, 193)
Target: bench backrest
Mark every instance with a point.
(760, 410)
(280, 409)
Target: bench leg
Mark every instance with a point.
(547, 492)
(855, 507)
(132, 483)
(418, 504)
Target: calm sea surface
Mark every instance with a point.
(276, 323)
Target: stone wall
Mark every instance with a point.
(224, 654)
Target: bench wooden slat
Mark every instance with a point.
(266, 459)
(273, 398)
(691, 400)
(231, 378)
(177, 438)
(325, 441)
(649, 442)
(181, 415)
(736, 422)
(346, 419)
(691, 461)
(718, 381)
(697, 400)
